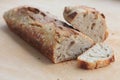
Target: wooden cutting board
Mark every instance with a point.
(20, 61)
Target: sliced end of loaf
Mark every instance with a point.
(98, 56)
(88, 21)
(70, 48)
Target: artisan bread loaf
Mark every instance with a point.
(88, 21)
(98, 56)
(52, 37)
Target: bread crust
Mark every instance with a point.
(39, 29)
(72, 14)
(106, 35)
(99, 64)
(29, 38)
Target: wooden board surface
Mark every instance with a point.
(20, 61)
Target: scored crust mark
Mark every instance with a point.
(36, 24)
(34, 10)
(31, 17)
(93, 25)
(43, 14)
(103, 15)
(72, 15)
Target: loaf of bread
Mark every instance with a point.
(100, 55)
(88, 21)
(52, 37)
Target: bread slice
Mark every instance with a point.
(98, 56)
(52, 37)
(88, 21)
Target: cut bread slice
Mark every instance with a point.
(88, 21)
(100, 55)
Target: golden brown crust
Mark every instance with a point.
(106, 35)
(29, 38)
(70, 14)
(33, 26)
(95, 65)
